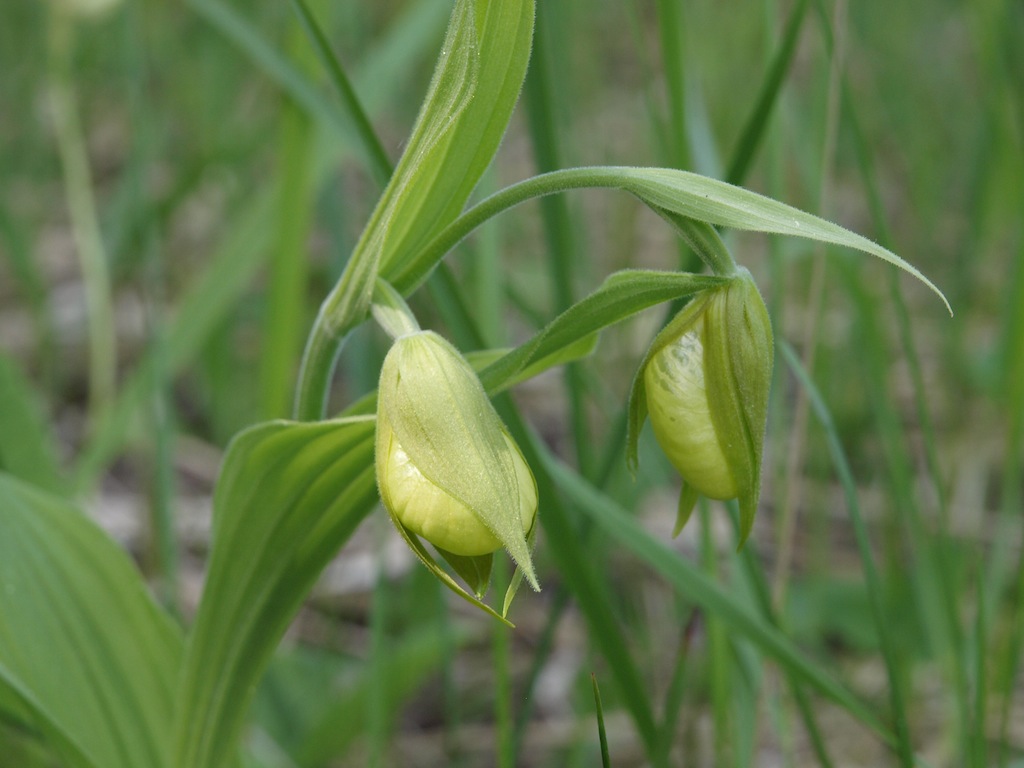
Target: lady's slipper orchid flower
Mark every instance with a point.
(447, 469)
(704, 382)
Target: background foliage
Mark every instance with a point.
(199, 153)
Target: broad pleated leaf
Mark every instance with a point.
(289, 494)
(84, 650)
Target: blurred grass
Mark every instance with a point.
(230, 185)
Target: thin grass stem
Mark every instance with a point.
(902, 745)
(501, 653)
(793, 481)
(559, 232)
(85, 225)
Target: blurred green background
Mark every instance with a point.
(193, 157)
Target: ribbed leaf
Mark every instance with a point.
(288, 496)
(83, 647)
(467, 108)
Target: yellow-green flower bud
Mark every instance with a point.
(434, 514)
(447, 469)
(677, 402)
(704, 383)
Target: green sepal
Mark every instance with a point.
(440, 573)
(475, 570)
(517, 575)
(738, 359)
(679, 325)
(687, 501)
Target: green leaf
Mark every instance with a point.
(622, 295)
(724, 205)
(83, 646)
(499, 34)
(27, 450)
(465, 113)
(665, 190)
(289, 495)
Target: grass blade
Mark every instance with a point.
(606, 760)
(380, 165)
(757, 123)
(713, 598)
(27, 448)
(902, 742)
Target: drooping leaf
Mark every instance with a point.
(83, 647)
(679, 193)
(724, 205)
(289, 494)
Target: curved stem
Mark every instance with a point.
(595, 177)
(499, 202)
(317, 368)
(391, 312)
